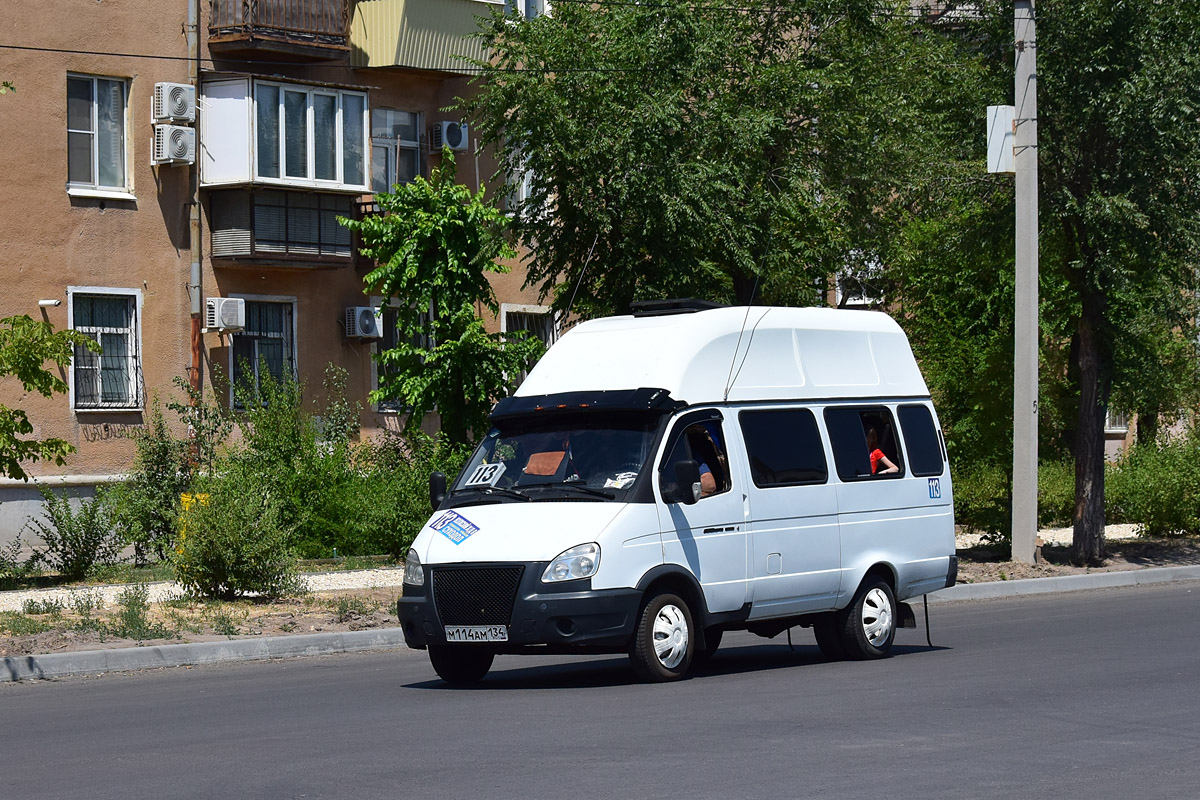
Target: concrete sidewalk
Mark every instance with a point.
(92, 662)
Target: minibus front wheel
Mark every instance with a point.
(664, 642)
(460, 665)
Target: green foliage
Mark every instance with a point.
(1156, 484)
(13, 566)
(149, 501)
(76, 541)
(235, 541)
(15, 623)
(685, 157)
(1056, 493)
(25, 347)
(346, 609)
(51, 607)
(6, 87)
(981, 498)
(435, 242)
(133, 621)
(1117, 133)
(340, 420)
(393, 499)
(209, 423)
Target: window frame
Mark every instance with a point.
(392, 145)
(554, 319)
(676, 434)
(264, 298)
(820, 440)
(382, 310)
(136, 378)
(94, 188)
(909, 440)
(833, 442)
(310, 181)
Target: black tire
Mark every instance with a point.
(664, 642)
(829, 637)
(712, 640)
(868, 624)
(460, 665)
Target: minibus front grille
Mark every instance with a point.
(475, 595)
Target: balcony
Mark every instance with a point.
(419, 34)
(280, 228)
(316, 30)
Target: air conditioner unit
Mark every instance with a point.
(174, 102)
(362, 322)
(450, 134)
(225, 314)
(174, 144)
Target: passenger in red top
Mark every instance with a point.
(877, 455)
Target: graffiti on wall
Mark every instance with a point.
(106, 431)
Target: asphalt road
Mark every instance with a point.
(1087, 695)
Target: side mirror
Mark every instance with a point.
(437, 489)
(687, 484)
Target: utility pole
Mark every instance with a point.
(1025, 372)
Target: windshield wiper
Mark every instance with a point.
(579, 487)
(504, 490)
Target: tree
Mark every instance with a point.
(435, 241)
(25, 347)
(1119, 149)
(730, 153)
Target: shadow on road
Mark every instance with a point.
(590, 672)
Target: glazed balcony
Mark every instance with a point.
(309, 29)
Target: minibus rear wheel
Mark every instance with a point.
(868, 625)
(460, 665)
(664, 642)
(829, 637)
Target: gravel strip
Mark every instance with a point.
(1058, 536)
(166, 590)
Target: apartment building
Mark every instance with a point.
(172, 173)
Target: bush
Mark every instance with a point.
(1157, 484)
(981, 499)
(1056, 493)
(77, 541)
(394, 500)
(149, 503)
(234, 541)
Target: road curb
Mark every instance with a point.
(57, 665)
(992, 590)
(84, 662)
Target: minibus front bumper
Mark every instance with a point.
(483, 599)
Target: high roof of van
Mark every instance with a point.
(739, 354)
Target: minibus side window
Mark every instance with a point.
(783, 447)
(704, 443)
(921, 439)
(852, 432)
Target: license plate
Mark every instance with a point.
(476, 633)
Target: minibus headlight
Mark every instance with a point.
(413, 575)
(578, 562)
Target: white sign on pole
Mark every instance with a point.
(1000, 134)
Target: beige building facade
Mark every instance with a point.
(299, 111)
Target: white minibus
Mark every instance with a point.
(664, 477)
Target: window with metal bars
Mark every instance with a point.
(112, 377)
(266, 345)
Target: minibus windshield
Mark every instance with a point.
(593, 455)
